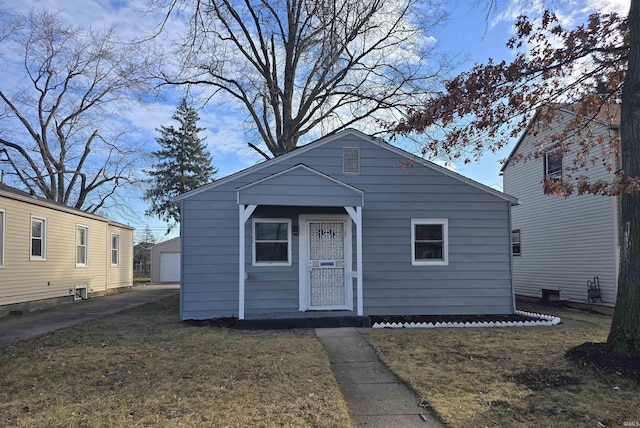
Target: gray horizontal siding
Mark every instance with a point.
(564, 241)
(477, 279)
(291, 188)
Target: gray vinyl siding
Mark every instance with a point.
(564, 241)
(476, 281)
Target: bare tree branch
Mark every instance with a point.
(297, 65)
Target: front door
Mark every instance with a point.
(327, 258)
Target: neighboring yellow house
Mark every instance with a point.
(49, 251)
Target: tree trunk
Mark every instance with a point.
(625, 329)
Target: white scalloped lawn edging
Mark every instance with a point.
(542, 319)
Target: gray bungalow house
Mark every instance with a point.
(346, 223)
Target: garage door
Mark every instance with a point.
(169, 267)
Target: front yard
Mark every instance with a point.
(145, 368)
(511, 376)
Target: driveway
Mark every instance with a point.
(14, 328)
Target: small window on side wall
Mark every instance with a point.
(552, 168)
(515, 242)
(38, 246)
(272, 242)
(115, 249)
(429, 242)
(82, 245)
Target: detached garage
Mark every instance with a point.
(165, 261)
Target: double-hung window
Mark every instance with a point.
(515, 242)
(272, 242)
(82, 245)
(429, 242)
(115, 249)
(552, 168)
(38, 245)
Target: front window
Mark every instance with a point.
(429, 242)
(515, 242)
(272, 242)
(82, 245)
(115, 249)
(38, 238)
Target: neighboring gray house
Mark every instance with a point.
(346, 223)
(561, 243)
(165, 261)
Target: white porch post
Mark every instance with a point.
(356, 216)
(244, 212)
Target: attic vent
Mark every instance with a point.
(351, 160)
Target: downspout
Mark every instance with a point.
(513, 291)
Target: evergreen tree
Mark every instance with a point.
(182, 164)
(147, 237)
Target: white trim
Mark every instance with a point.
(356, 216)
(43, 238)
(117, 250)
(4, 239)
(86, 246)
(445, 244)
(253, 241)
(336, 136)
(244, 212)
(303, 258)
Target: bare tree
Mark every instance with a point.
(304, 66)
(61, 124)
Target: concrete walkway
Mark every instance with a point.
(14, 328)
(374, 395)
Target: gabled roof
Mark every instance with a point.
(168, 241)
(328, 191)
(606, 118)
(19, 195)
(333, 137)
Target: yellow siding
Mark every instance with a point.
(122, 274)
(23, 280)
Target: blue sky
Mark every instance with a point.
(466, 34)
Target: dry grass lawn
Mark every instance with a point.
(511, 377)
(145, 368)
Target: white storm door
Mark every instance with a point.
(327, 265)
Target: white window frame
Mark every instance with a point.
(289, 241)
(3, 239)
(43, 257)
(549, 156)
(519, 233)
(445, 244)
(117, 249)
(86, 245)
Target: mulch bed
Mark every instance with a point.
(448, 318)
(540, 379)
(594, 355)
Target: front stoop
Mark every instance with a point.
(297, 322)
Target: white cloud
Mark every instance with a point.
(568, 12)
